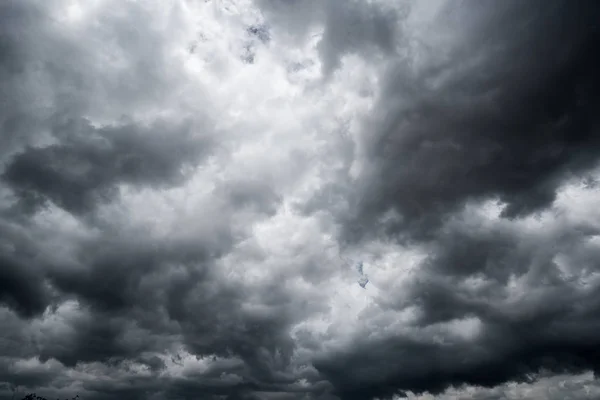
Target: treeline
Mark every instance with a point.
(33, 396)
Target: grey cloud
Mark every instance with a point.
(112, 67)
(384, 368)
(22, 273)
(168, 290)
(352, 27)
(548, 387)
(87, 164)
(136, 295)
(547, 324)
(509, 114)
(21, 289)
(137, 299)
(259, 31)
(38, 376)
(250, 194)
(258, 35)
(298, 16)
(506, 111)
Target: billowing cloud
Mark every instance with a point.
(268, 199)
(84, 167)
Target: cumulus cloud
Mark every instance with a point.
(268, 199)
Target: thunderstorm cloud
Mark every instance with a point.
(300, 199)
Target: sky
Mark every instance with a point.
(300, 199)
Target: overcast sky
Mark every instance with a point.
(188, 189)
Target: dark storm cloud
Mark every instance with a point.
(52, 153)
(22, 279)
(547, 322)
(558, 338)
(508, 113)
(133, 295)
(138, 297)
(387, 367)
(21, 289)
(142, 296)
(86, 166)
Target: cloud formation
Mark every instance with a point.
(188, 187)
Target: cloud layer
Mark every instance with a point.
(188, 187)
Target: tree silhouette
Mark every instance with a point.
(33, 396)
